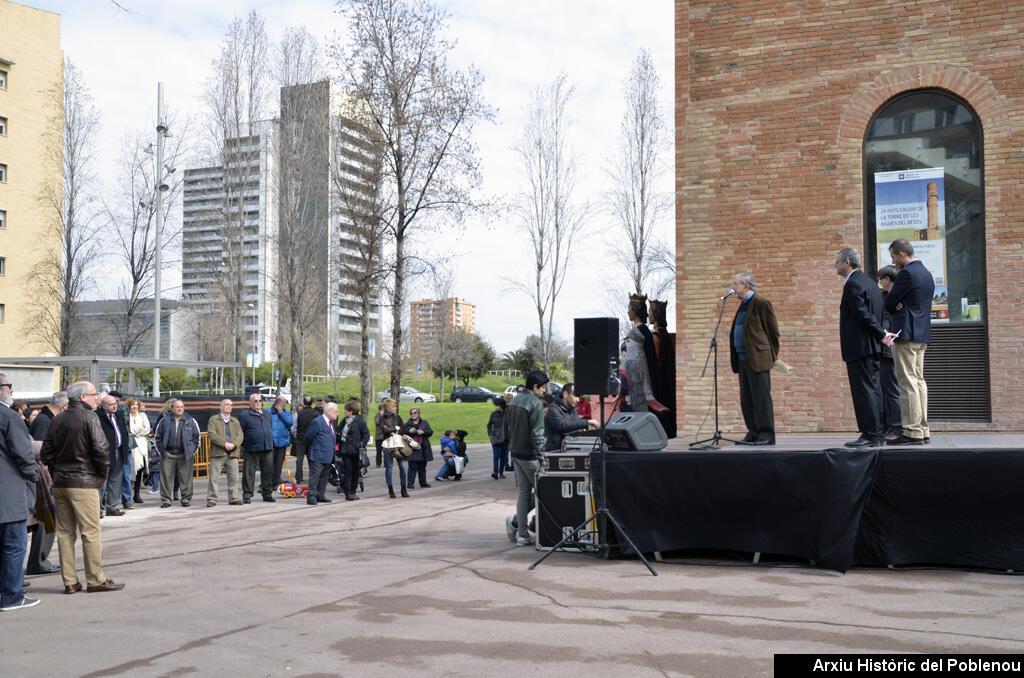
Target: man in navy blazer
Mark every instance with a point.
(910, 302)
(860, 341)
(321, 441)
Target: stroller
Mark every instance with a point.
(334, 472)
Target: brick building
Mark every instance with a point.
(786, 117)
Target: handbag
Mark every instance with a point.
(411, 442)
(397, 447)
(364, 458)
(460, 463)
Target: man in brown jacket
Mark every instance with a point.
(225, 434)
(75, 452)
(753, 350)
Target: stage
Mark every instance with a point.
(951, 503)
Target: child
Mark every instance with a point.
(448, 454)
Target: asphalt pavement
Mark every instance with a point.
(431, 586)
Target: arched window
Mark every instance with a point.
(924, 181)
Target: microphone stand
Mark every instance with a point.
(712, 442)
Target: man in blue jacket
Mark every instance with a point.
(321, 442)
(257, 450)
(177, 439)
(281, 423)
(910, 302)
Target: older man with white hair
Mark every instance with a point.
(225, 434)
(321, 444)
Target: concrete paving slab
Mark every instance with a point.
(430, 586)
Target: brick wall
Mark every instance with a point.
(772, 103)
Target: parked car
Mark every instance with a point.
(407, 394)
(268, 393)
(472, 394)
(554, 388)
(510, 392)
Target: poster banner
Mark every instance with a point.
(910, 204)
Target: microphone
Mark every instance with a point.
(727, 295)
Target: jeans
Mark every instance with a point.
(526, 476)
(14, 538)
(126, 482)
(388, 461)
(500, 456)
(447, 469)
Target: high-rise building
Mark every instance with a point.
(290, 192)
(31, 71)
(428, 318)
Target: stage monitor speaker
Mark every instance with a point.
(596, 355)
(640, 431)
(564, 501)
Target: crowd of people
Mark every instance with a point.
(88, 455)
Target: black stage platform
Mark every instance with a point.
(836, 508)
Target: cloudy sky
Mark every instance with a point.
(517, 45)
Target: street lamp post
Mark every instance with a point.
(161, 134)
(252, 307)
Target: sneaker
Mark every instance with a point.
(526, 541)
(22, 604)
(155, 490)
(440, 480)
(510, 529)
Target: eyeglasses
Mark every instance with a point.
(8, 385)
(94, 393)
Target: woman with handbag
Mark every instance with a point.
(419, 430)
(353, 437)
(391, 424)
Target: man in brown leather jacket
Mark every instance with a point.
(75, 452)
(753, 350)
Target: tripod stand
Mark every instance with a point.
(712, 442)
(602, 510)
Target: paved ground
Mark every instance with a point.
(430, 586)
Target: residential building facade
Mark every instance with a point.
(428, 318)
(31, 80)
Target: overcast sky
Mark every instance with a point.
(517, 45)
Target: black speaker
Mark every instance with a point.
(563, 502)
(639, 431)
(596, 355)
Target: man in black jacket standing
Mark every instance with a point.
(860, 340)
(17, 484)
(257, 450)
(305, 416)
(561, 418)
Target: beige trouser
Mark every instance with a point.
(78, 510)
(217, 464)
(909, 357)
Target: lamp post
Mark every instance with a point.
(161, 134)
(252, 307)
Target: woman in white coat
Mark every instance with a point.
(139, 428)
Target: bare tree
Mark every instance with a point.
(633, 172)
(302, 190)
(424, 112)
(61, 277)
(548, 213)
(131, 214)
(236, 94)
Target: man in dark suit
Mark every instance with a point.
(910, 302)
(321, 444)
(860, 342)
(118, 448)
(753, 350)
